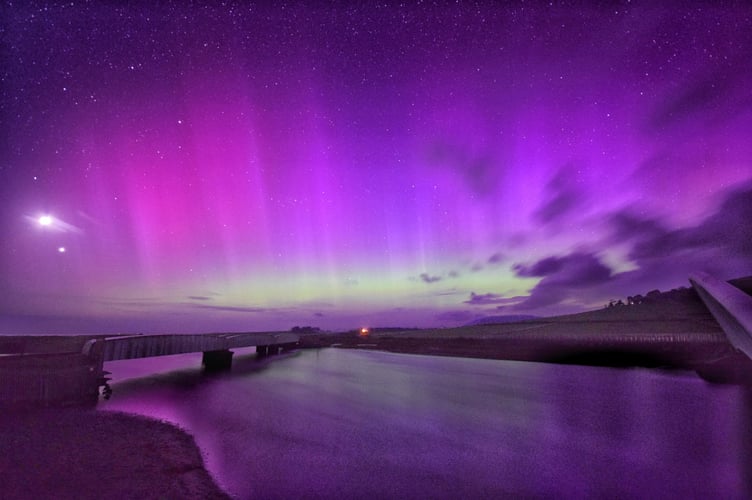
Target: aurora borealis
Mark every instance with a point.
(259, 166)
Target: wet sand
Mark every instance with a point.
(76, 453)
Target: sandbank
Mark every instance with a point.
(83, 453)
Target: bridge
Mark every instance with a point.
(67, 372)
(215, 346)
(730, 306)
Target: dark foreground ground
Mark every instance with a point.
(74, 453)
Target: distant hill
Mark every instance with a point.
(682, 302)
(496, 320)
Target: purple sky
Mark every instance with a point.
(251, 168)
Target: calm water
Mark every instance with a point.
(344, 424)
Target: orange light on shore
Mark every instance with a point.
(364, 332)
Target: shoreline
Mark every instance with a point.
(707, 353)
(86, 453)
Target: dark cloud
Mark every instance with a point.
(132, 304)
(485, 299)
(319, 314)
(563, 277)
(476, 267)
(694, 98)
(457, 316)
(540, 269)
(628, 225)
(239, 309)
(427, 278)
(563, 196)
(663, 245)
(721, 244)
(716, 95)
(496, 258)
(199, 297)
(730, 226)
(658, 173)
(649, 236)
(479, 171)
(728, 230)
(434, 278)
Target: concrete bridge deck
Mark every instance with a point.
(64, 376)
(730, 306)
(143, 346)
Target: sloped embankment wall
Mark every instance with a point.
(48, 379)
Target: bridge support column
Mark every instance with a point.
(273, 349)
(217, 361)
(288, 346)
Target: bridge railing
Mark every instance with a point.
(731, 307)
(142, 346)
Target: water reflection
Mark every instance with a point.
(348, 423)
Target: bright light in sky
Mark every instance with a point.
(61, 249)
(222, 168)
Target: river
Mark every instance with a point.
(338, 423)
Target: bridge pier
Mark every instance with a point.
(288, 346)
(217, 361)
(273, 349)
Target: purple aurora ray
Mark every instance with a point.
(254, 167)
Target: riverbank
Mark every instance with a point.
(76, 453)
(672, 331)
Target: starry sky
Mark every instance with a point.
(238, 167)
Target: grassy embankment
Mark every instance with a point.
(672, 330)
